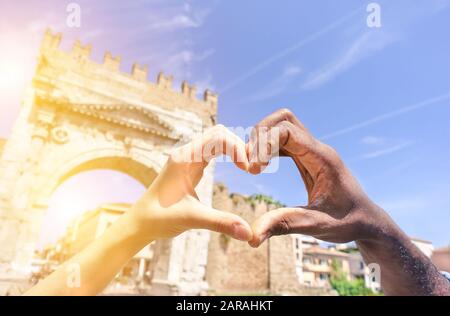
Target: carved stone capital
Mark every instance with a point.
(60, 135)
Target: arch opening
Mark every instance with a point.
(88, 186)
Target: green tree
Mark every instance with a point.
(343, 286)
(266, 199)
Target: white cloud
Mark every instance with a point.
(181, 64)
(289, 50)
(277, 86)
(362, 47)
(184, 17)
(176, 53)
(381, 146)
(179, 21)
(90, 35)
(372, 140)
(205, 83)
(383, 117)
(292, 71)
(387, 150)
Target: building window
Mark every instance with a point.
(361, 265)
(306, 260)
(323, 262)
(323, 276)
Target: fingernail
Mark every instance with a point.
(241, 232)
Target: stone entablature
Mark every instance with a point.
(80, 115)
(56, 69)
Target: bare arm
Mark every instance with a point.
(169, 207)
(338, 209)
(405, 270)
(88, 272)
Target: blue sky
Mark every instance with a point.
(380, 96)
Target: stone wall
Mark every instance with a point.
(236, 268)
(229, 260)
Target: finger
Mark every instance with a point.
(216, 141)
(272, 120)
(204, 217)
(285, 138)
(268, 143)
(221, 141)
(284, 221)
(279, 116)
(191, 159)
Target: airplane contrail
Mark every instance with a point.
(388, 115)
(288, 51)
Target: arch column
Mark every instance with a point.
(28, 234)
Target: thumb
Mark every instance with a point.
(204, 217)
(284, 221)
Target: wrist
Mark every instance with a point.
(134, 228)
(378, 227)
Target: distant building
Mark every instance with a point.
(359, 270)
(424, 245)
(302, 242)
(441, 258)
(134, 277)
(318, 265)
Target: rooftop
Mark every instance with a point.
(445, 249)
(420, 240)
(317, 250)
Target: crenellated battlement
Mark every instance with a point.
(210, 97)
(51, 41)
(81, 52)
(164, 82)
(110, 62)
(188, 90)
(139, 72)
(79, 59)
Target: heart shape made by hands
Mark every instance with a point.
(173, 196)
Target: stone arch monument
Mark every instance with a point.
(81, 115)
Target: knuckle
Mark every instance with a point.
(216, 134)
(284, 127)
(216, 130)
(221, 226)
(220, 128)
(257, 128)
(282, 227)
(285, 112)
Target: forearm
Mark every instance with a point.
(404, 269)
(98, 263)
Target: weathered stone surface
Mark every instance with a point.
(234, 267)
(80, 115)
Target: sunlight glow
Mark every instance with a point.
(16, 64)
(85, 192)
